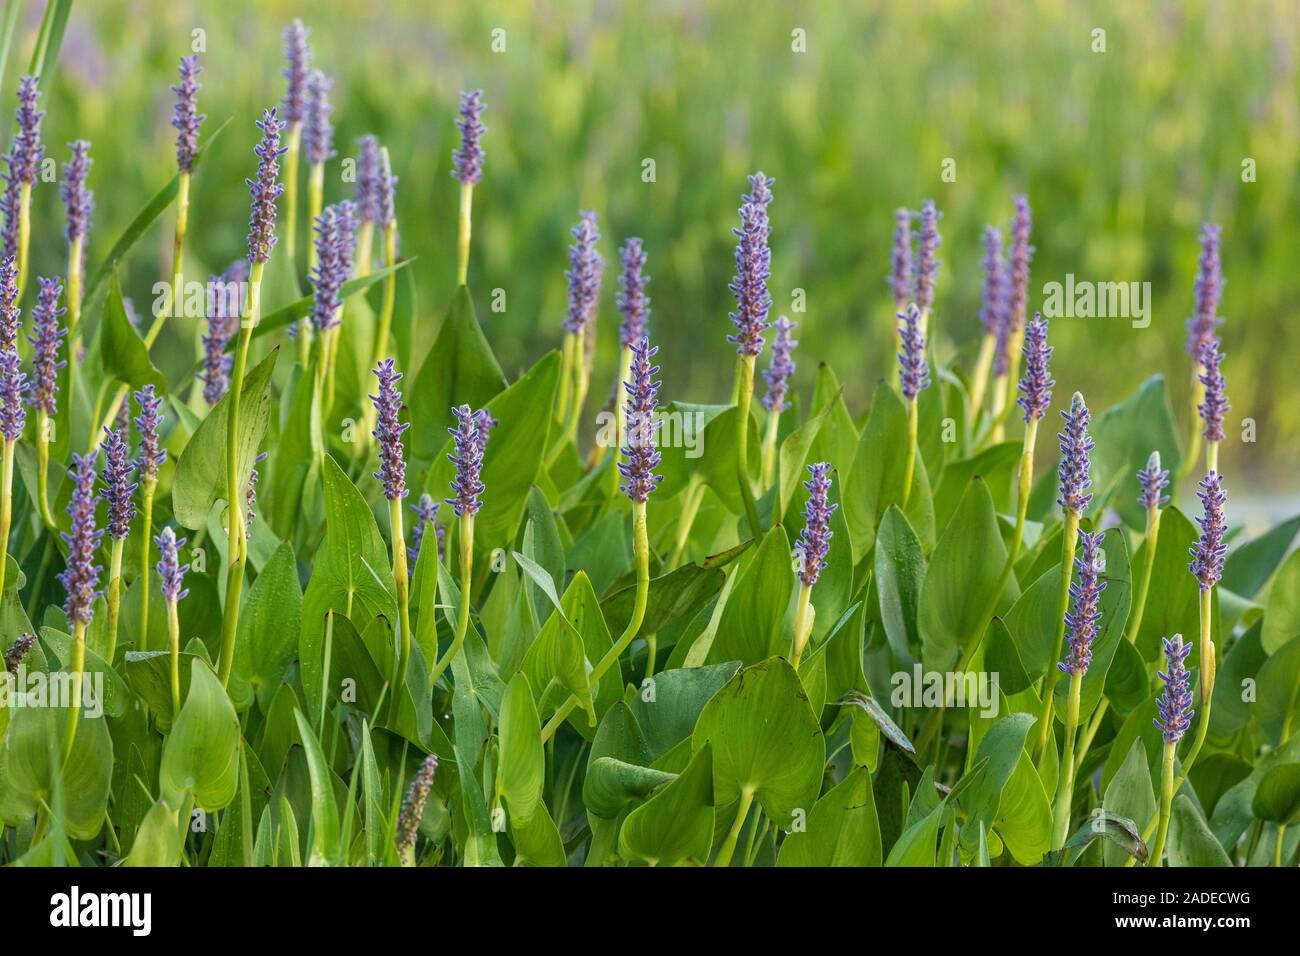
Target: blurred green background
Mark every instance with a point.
(1123, 154)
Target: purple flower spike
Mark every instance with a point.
(753, 269)
(317, 131)
(408, 820)
(913, 373)
(927, 266)
(1036, 384)
(1209, 550)
(782, 367)
(250, 495)
(641, 450)
(147, 424)
(815, 541)
(633, 303)
(369, 184)
(27, 147)
(81, 576)
(334, 248)
(13, 385)
(388, 431)
(1175, 704)
(900, 273)
(10, 203)
(585, 270)
(171, 573)
(1153, 481)
(1076, 444)
(387, 193)
(45, 357)
(1215, 405)
(1085, 590)
(9, 312)
(265, 189)
(298, 55)
(118, 486)
(426, 511)
(77, 199)
(185, 114)
(1209, 290)
(993, 299)
(224, 304)
(467, 162)
(470, 442)
(1018, 271)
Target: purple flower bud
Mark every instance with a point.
(171, 573)
(1175, 704)
(1215, 404)
(1018, 272)
(641, 450)
(298, 53)
(13, 385)
(1154, 481)
(927, 266)
(900, 274)
(467, 162)
(753, 269)
(1075, 446)
(225, 294)
(782, 367)
(1085, 590)
(585, 270)
(993, 299)
(388, 430)
(369, 184)
(265, 189)
(470, 442)
(913, 373)
(77, 199)
(1209, 551)
(317, 131)
(45, 357)
(1209, 290)
(27, 147)
(632, 300)
(81, 576)
(387, 193)
(185, 114)
(9, 312)
(485, 422)
(147, 424)
(408, 820)
(1036, 384)
(10, 207)
(250, 496)
(334, 248)
(118, 486)
(426, 511)
(815, 541)
(17, 651)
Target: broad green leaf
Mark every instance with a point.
(1120, 831)
(677, 822)
(1024, 820)
(612, 785)
(158, 841)
(1249, 566)
(269, 623)
(916, 847)
(842, 829)
(1282, 611)
(325, 850)
(751, 625)
(201, 756)
(124, 355)
(35, 769)
(1126, 434)
(900, 569)
(1130, 795)
(523, 763)
(667, 708)
(1277, 798)
(1173, 601)
(1190, 841)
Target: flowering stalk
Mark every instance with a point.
(118, 493)
(80, 578)
(470, 437)
(584, 274)
(25, 160)
(1035, 396)
(79, 203)
(265, 190)
(1075, 445)
(753, 269)
(392, 473)
(222, 320)
(927, 266)
(45, 389)
(634, 306)
(186, 119)
(810, 552)
(992, 314)
(467, 163)
(913, 375)
(13, 414)
(1017, 289)
(1175, 706)
(318, 141)
(639, 480)
(1201, 332)
(386, 217)
(171, 578)
(408, 821)
(298, 55)
(1086, 593)
(1214, 404)
(778, 383)
(151, 458)
(333, 264)
(900, 274)
(367, 199)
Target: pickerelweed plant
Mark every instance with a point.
(431, 621)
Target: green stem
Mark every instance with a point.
(980, 381)
(1065, 783)
(315, 200)
(24, 234)
(581, 382)
(909, 466)
(146, 542)
(1024, 483)
(801, 625)
(74, 311)
(641, 548)
(462, 239)
(78, 668)
(1167, 790)
(292, 152)
(1069, 540)
(769, 448)
(43, 466)
(566, 380)
(174, 645)
(1195, 397)
(178, 244)
(465, 541)
(402, 580)
(694, 493)
(744, 396)
(6, 509)
(114, 596)
(729, 844)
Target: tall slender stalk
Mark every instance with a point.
(401, 578)
(1024, 484)
(802, 624)
(293, 150)
(1166, 801)
(114, 597)
(174, 646)
(147, 488)
(178, 244)
(6, 508)
(744, 396)
(465, 542)
(1065, 787)
(980, 380)
(78, 670)
(1069, 541)
(463, 232)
